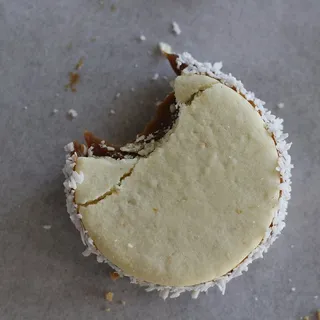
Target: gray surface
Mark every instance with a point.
(273, 46)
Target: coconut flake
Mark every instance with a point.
(280, 105)
(164, 47)
(155, 76)
(176, 28)
(142, 38)
(72, 113)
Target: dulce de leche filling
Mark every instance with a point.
(162, 122)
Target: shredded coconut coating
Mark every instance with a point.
(273, 126)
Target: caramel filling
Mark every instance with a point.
(157, 128)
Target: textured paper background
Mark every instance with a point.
(272, 46)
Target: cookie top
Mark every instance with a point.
(198, 204)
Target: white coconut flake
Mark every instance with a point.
(46, 226)
(72, 113)
(164, 47)
(54, 111)
(118, 94)
(155, 76)
(69, 147)
(172, 108)
(112, 111)
(273, 125)
(90, 152)
(175, 28)
(280, 105)
(293, 289)
(25, 108)
(142, 38)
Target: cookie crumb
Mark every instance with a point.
(114, 275)
(155, 76)
(318, 314)
(79, 64)
(280, 105)
(130, 245)
(46, 226)
(176, 28)
(123, 302)
(109, 296)
(113, 7)
(72, 113)
(73, 80)
(108, 309)
(155, 210)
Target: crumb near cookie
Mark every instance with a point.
(74, 79)
(72, 113)
(176, 28)
(114, 275)
(109, 296)
(79, 64)
(280, 105)
(155, 76)
(165, 48)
